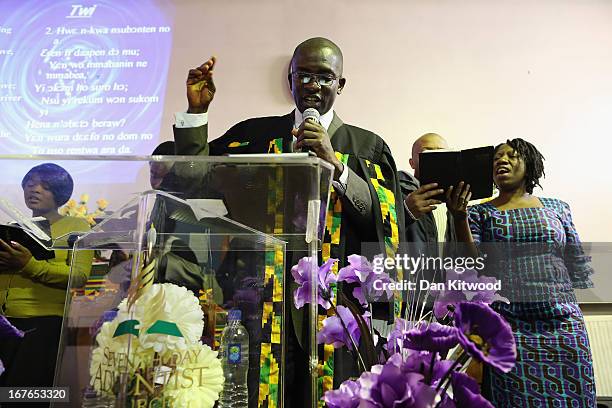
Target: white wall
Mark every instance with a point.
(477, 72)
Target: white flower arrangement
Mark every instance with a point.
(111, 357)
(169, 303)
(157, 344)
(203, 390)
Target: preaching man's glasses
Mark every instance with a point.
(321, 79)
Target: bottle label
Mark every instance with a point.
(234, 353)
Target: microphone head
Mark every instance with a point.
(311, 113)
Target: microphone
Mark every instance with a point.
(314, 115)
(311, 113)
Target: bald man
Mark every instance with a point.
(366, 185)
(428, 223)
(426, 218)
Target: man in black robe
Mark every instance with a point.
(366, 203)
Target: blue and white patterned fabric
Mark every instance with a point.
(539, 259)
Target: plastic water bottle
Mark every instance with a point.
(93, 400)
(235, 361)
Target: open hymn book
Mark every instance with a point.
(33, 234)
(449, 167)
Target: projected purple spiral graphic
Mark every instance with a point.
(82, 78)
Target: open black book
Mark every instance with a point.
(449, 167)
(13, 232)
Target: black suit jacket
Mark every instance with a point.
(362, 220)
(369, 207)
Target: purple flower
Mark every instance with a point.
(376, 287)
(424, 336)
(8, 330)
(389, 386)
(485, 335)
(431, 337)
(333, 331)
(441, 369)
(413, 361)
(484, 296)
(395, 340)
(346, 396)
(453, 297)
(446, 298)
(466, 392)
(302, 273)
(357, 270)
(400, 383)
(360, 271)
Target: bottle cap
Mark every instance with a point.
(234, 315)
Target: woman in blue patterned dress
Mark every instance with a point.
(539, 259)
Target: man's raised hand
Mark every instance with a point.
(201, 87)
(420, 201)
